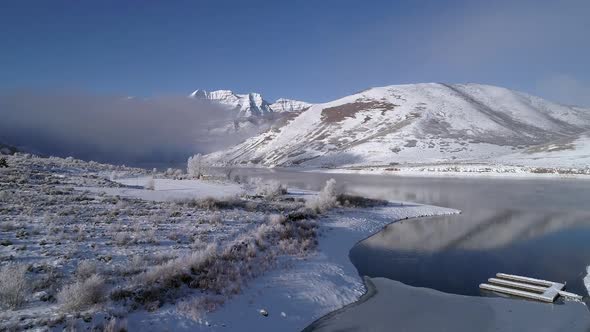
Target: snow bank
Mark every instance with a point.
(169, 190)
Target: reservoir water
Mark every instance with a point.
(534, 227)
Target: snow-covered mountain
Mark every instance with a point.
(409, 124)
(289, 105)
(251, 104)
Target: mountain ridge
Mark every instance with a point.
(250, 104)
(411, 123)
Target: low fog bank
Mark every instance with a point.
(134, 131)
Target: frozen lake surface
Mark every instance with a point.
(533, 227)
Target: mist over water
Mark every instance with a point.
(113, 129)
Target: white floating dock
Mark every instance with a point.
(535, 289)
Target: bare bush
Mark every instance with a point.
(86, 268)
(13, 285)
(326, 199)
(82, 294)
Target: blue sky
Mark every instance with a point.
(310, 50)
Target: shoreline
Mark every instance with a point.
(445, 174)
(300, 290)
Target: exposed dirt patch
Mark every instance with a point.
(339, 113)
(558, 145)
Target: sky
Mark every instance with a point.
(309, 50)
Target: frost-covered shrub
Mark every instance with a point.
(211, 203)
(13, 285)
(326, 199)
(215, 219)
(197, 308)
(6, 226)
(115, 325)
(268, 189)
(277, 219)
(123, 238)
(147, 236)
(227, 169)
(4, 196)
(176, 235)
(86, 268)
(174, 173)
(150, 184)
(167, 272)
(82, 294)
(359, 201)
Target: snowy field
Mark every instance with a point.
(92, 246)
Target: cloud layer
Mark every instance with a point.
(112, 129)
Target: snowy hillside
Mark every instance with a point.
(568, 152)
(414, 124)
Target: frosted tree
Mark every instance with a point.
(227, 168)
(196, 166)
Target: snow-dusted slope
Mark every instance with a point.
(417, 123)
(571, 151)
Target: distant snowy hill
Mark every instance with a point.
(251, 104)
(412, 124)
(253, 114)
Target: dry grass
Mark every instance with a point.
(82, 294)
(86, 268)
(13, 285)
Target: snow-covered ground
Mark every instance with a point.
(300, 290)
(80, 250)
(170, 189)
